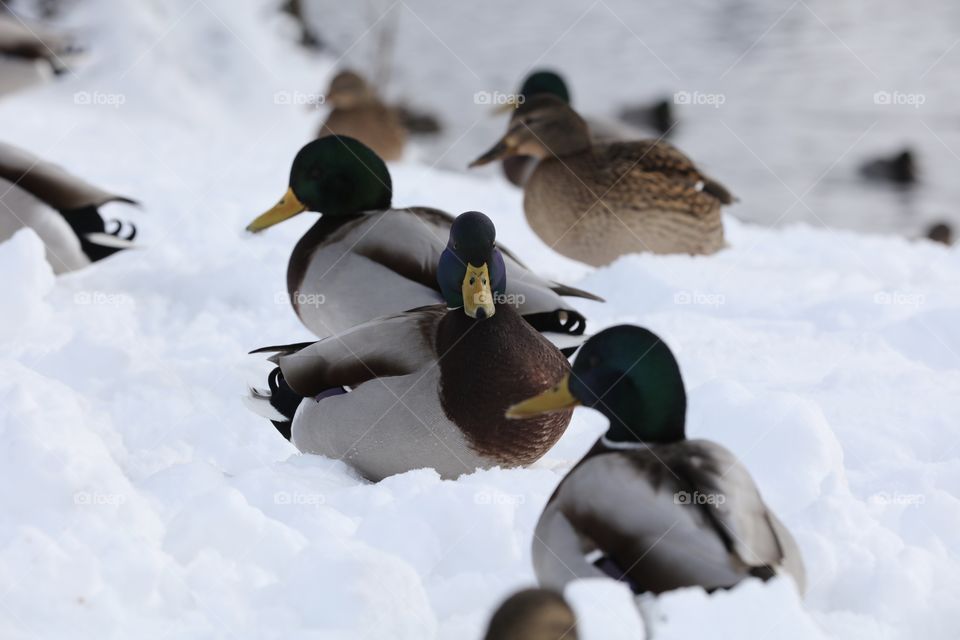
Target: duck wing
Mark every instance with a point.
(390, 346)
(658, 156)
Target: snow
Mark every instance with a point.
(144, 500)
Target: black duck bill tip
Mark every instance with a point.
(502, 149)
(288, 207)
(556, 398)
(477, 294)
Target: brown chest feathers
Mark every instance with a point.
(487, 366)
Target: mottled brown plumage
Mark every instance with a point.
(359, 113)
(533, 614)
(597, 201)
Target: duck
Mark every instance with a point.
(33, 45)
(900, 168)
(533, 614)
(358, 112)
(594, 202)
(364, 259)
(428, 387)
(657, 116)
(517, 169)
(940, 232)
(61, 208)
(645, 505)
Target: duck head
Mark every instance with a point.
(348, 89)
(547, 82)
(541, 127)
(533, 614)
(335, 176)
(471, 273)
(628, 374)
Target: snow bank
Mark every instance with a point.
(144, 500)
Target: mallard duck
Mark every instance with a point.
(428, 387)
(645, 505)
(533, 614)
(31, 44)
(517, 169)
(596, 202)
(940, 232)
(61, 208)
(900, 168)
(359, 113)
(363, 260)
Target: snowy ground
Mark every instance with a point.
(143, 500)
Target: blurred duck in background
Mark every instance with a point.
(29, 53)
(61, 208)
(358, 112)
(517, 169)
(594, 202)
(900, 168)
(941, 232)
(533, 614)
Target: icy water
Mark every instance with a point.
(784, 101)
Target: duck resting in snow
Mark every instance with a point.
(645, 505)
(364, 259)
(427, 387)
(61, 208)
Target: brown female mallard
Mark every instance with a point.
(597, 201)
(359, 113)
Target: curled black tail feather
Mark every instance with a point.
(283, 399)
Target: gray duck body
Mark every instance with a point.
(429, 388)
(637, 508)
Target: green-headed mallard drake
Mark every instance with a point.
(428, 387)
(363, 259)
(359, 113)
(900, 168)
(517, 169)
(596, 202)
(533, 614)
(61, 208)
(645, 505)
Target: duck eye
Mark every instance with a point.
(473, 280)
(483, 280)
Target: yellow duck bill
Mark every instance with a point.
(288, 207)
(477, 294)
(556, 398)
